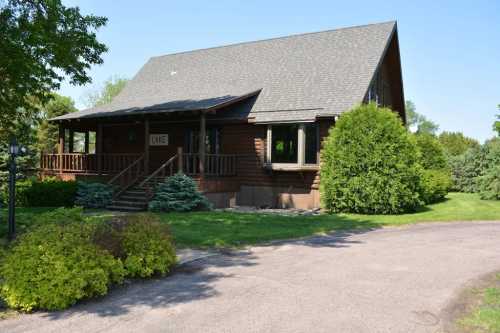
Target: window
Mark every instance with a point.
(285, 144)
(192, 141)
(78, 142)
(92, 142)
(311, 144)
(293, 144)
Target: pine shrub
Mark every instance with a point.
(370, 164)
(178, 193)
(94, 195)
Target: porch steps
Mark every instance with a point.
(132, 200)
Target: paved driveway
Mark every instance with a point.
(386, 280)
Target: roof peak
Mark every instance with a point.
(394, 22)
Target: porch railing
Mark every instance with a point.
(87, 163)
(215, 164)
(128, 176)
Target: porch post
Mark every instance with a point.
(60, 148)
(71, 140)
(146, 146)
(202, 145)
(180, 159)
(86, 142)
(98, 148)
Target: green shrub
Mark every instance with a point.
(435, 185)
(60, 216)
(369, 164)
(54, 266)
(94, 195)
(431, 153)
(141, 241)
(49, 192)
(178, 193)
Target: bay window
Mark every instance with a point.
(292, 145)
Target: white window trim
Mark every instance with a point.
(301, 153)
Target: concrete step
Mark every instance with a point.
(129, 203)
(126, 208)
(134, 197)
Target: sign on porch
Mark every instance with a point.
(158, 139)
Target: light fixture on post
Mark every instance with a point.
(14, 151)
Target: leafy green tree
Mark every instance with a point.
(47, 132)
(417, 121)
(112, 87)
(42, 43)
(370, 164)
(496, 124)
(456, 143)
(432, 154)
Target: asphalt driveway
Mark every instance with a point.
(386, 280)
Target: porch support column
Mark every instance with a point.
(98, 148)
(86, 142)
(202, 145)
(71, 140)
(146, 146)
(60, 147)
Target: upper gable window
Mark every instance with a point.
(292, 144)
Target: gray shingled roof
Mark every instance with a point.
(299, 76)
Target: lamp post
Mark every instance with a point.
(14, 151)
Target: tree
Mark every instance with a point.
(112, 87)
(496, 124)
(432, 154)
(42, 43)
(47, 132)
(370, 164)
(456, 143)
(418, 121)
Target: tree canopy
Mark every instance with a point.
(47, 132)
(43, 42)
(496, 124)
(112, 87)
(417, 121)
(456, 143)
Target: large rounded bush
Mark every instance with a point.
(431, 152)
(141, 241)
(55, 265)
(370, 164)
(435, 185)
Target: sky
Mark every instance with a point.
(450, 50)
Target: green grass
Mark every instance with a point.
(208, 229)
(485, 316)
(221, 229)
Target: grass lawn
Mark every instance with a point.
(221, 229)
(208, 229)
(485, 314)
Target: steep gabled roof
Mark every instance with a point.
(299, 77)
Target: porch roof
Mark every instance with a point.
(206, 104)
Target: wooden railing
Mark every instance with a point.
(128, 176)
(87, 163)
(167, 169)
(215, 164)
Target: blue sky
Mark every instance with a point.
(450, 49)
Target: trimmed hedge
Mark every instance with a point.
(49, 192)
(370, 164)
